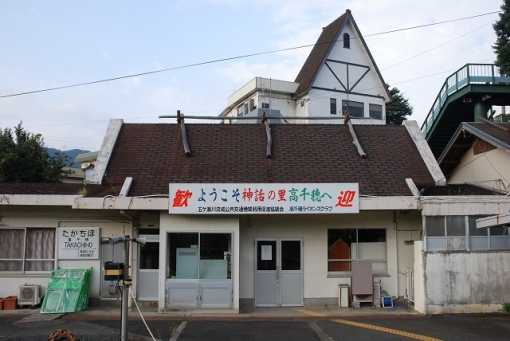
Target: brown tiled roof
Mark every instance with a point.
(56, 189)
(495, 132)
(153, 154)
(319, 52)
(460, 189)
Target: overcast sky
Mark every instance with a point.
(47, 44)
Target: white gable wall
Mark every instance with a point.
(487, 169)
(345, 70)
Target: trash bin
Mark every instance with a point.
(343, 295)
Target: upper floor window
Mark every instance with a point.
(355, 108)
(265, 105)
(347, 41)
(28, 249)
(375, 111)
(332, 106)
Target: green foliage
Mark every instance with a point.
(506, 307)
(502, 45)
(23, 158)
(398, 109)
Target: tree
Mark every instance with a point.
(23, 158)
(398, 109)
(502, 45)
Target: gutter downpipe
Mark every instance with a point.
(396, 253)
(133, 276)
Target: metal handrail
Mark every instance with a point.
(466, 75)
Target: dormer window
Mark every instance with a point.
(347, 41)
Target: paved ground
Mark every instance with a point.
(261, 324)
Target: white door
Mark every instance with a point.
(148, 269)
(278, 272)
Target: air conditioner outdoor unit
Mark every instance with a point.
(29, 294)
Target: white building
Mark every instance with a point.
(339, 75)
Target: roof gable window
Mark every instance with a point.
(347, 41)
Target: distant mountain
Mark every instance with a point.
(72, 154)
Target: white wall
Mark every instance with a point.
(313, 230)
(487, 169)
(111, 223)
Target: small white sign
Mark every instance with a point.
(264, 198)
(78, 243)
(266, 252)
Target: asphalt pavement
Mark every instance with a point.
(322, 323)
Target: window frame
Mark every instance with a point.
(347, 105)
(357, 258)
(26, 252)
(347, 41)
(332, 106)
(473, 238)
(372, 111)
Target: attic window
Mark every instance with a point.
(332, 106)
(347, 41)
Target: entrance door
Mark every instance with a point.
(279, 272)
(148, 269)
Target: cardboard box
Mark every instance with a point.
(10, 302)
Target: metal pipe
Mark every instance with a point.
(251, 118)
(125, 290)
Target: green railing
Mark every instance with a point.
(468, 74)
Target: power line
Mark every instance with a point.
(224, 59)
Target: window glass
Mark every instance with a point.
(30, 249)
(347, 41)
(291, 255)
(348, 245)
(266, 255)
(375, 111)
(355, 108)
(434, 226)
(149, 256)
(199, 255)
(498, 231)
(473, 231)
(499, 239)
(455, 226)
(332, 106)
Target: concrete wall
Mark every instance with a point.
(110, 223)
(466, 282)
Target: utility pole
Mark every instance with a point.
(126, 280)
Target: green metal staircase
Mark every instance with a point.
(466, 96)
